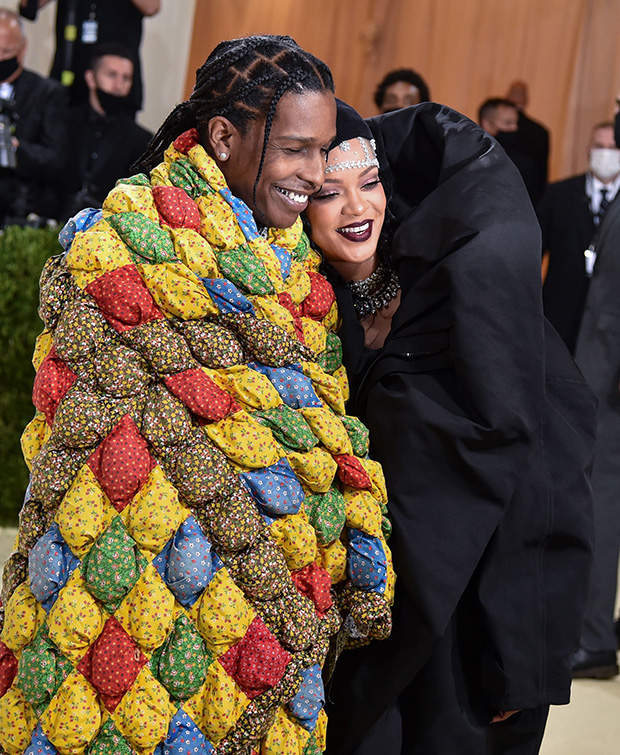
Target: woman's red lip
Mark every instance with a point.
(357, 235)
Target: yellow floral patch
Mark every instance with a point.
(131, 198)
(73, 717)
(285, 737)
(177, 291)
(194, 252)
(17, 722)
(155, 513)
(84, 512)
(142, 716)
(147, 613)
(22, 618)
(296, 538)
(42, 347)
(326, 386)
(362, 512)
(250, 388)
(244, 440)
(216, 707)
(315, 335)
(76, 619)
(315, 468)
(34, 437)
(95, 252)
(222, 615)
(328, 428)
(333, 558)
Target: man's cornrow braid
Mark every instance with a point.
(288, 83)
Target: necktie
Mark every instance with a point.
(602, 208)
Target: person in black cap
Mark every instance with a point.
(442, 333)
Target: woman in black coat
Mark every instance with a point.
(483, 426)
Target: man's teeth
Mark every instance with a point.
(299, 198)
(355, 228)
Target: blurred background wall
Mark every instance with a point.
(468, 50)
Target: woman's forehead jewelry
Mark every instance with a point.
(369, 159)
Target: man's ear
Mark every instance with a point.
(222, 135)
(89, 78)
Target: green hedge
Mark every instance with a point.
(23, 252)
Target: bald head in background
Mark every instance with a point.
(12, 46)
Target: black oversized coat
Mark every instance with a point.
(483, 426)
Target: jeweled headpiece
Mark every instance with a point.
(351, 125)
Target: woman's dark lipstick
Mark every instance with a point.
(360, 231)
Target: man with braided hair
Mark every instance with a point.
(201, 514)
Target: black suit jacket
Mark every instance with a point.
(117, 142)
(43, 148)
(567, 230)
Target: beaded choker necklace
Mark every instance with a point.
(375, 292)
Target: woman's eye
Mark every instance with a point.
(371, 184)
(320, 197)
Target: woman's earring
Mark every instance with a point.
(223, 156)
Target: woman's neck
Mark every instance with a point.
(355, 271)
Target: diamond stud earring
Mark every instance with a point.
(223, 156)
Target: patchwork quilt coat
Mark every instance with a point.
(202, 518)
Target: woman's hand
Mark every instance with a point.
(502, 715)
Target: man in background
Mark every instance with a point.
(533, 135)
(105, 138)
(34, 144)
(95, 22)
(598, 355)
(401, 88)
(500, 118)
(570, 214)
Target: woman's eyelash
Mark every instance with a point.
(324, 196)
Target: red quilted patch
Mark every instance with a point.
(112, 663)
(257, 662)
(176, 208)
(52, 381)
(122, 463)
(123, 298)
(201, 395)
(315, 583)
(8, 668)
(287, 302)
(351, 472)
(320, 299)
(187, 140)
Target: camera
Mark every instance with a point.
(8, 119)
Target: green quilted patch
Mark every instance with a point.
(183, 175)
(42, 669)
(358, 434)
(326, 514)
(181, 663)
(109, 741)
(312, 747)
(140, 179)
(245, 270)
(113, 565)
(288, 427)
(300, 252)
(147, 241)
(331, 358)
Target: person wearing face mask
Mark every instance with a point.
(598, 355)
(500, 118)
(570, 215)
(105, 138)
(34, 109)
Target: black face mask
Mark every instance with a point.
(617, 129)
(508, 139)
(113, 104)
(8, 68)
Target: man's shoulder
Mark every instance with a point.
(568, 185)
(30, 83)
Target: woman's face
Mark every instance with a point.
(347, 214)
(294, 167)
